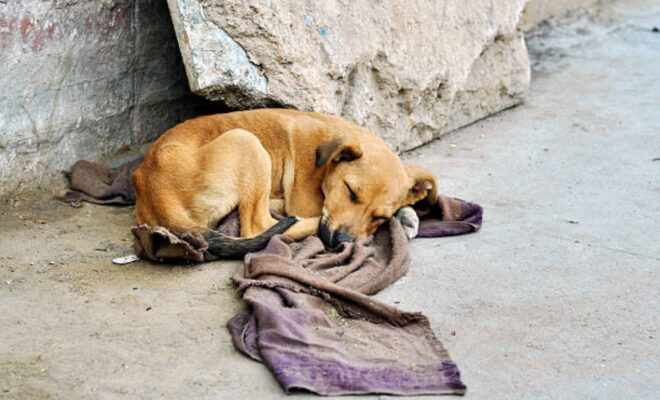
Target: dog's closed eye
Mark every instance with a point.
(351, 193)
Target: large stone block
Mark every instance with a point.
(409, 71)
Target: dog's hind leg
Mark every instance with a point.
(235, 171)
(255, 187)
(254, 210)
(276, 206)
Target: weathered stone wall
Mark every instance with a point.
(409, 71)
(79, 79)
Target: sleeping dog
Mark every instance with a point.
(339, 180)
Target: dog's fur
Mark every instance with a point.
(342, 179)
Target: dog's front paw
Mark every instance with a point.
(409, 221)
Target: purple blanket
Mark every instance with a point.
(96, 183)
(312, 322)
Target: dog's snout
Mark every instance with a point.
(340, 237)
(330, 238)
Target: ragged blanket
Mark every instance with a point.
(313, 323)
(311, 318)
(96, 183)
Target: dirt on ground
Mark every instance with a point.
(74, 323)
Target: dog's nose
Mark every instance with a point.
(330, 238)
(340, 237)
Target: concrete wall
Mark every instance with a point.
(538, 10)
(79, 79)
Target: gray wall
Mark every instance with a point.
(80, 79)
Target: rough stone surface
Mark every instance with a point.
(228, 73)
(80, 79)
(409, 72)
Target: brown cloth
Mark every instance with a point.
(96, 183)
(162, 245)
(311, 319)
(312, 322)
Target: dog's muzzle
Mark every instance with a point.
(330, 238)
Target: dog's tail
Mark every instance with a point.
(230, 247)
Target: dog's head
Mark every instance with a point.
(364, 185)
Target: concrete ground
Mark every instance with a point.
(557, 296)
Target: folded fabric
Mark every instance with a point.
(312, 322)
(311, 319)
(162, 245)
(96, 183)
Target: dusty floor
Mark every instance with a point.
(557, 296)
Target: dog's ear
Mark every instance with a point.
(423, 185)
(337, 150)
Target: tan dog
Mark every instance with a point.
(342, 179)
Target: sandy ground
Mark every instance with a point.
(557, 296)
